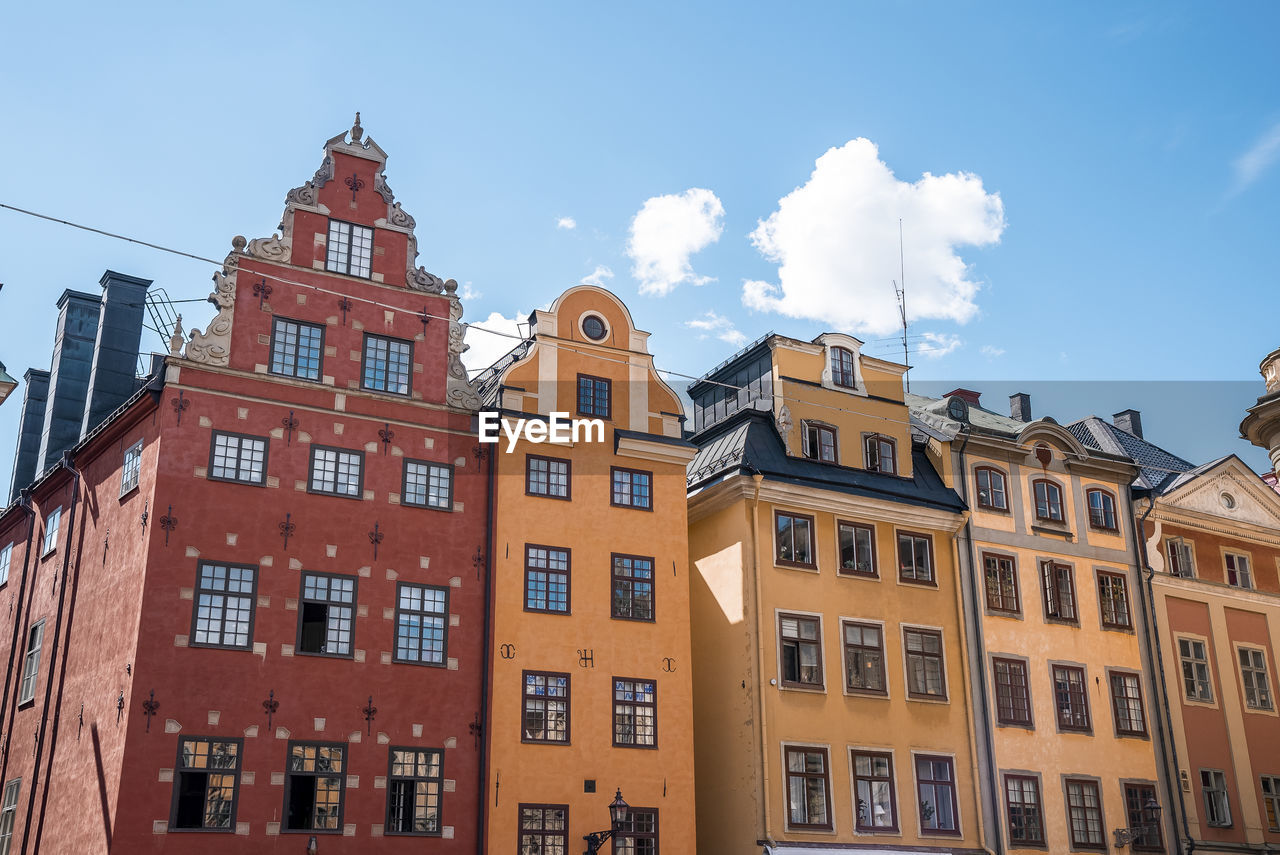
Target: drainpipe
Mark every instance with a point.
(757, 478)
(485, 684)
(53, 649)
(24, 502)
(979, 642)
(1155, 658)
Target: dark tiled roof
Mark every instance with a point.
(1160, 468)
(748, 442)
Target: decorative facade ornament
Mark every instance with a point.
(175, 340)
(356, 131)
(459, 392)
(213, 346)
(784, 422)
(418, 279)
(398, 217)
(383, 189)
(274, 248)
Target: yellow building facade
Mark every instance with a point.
(832, 699)
(1066, 707)
(590, 668)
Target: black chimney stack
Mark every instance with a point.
(115, 352)
(1020, 406)
(69, 375)
(1129, 420)
(30, 427)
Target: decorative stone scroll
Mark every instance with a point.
(213, 346)
(459, 391)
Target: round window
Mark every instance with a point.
(1228, 501)
(958, 409)
(593, 327)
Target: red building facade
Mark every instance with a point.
(248, 608)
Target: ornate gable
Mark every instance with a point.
(1229, 491)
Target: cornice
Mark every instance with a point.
(1238, 529)
(1200, 589)
(658, 452)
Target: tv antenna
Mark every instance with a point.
(900, 291)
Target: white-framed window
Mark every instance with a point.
(337, 472)
(52, 523)
(8, 812)
(1238, 574)
(422, 620)
(1196, 684)
(350, 249)
(1182, 561)
(238, 457)
(6, 557)
(819, 441)
(387, 364)
(428, 485)
(1253, 676)
(131, 468)
(1217, 808)
(31, 663)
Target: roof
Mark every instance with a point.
(748, 442)
(697, 385)
(979, 417)
(1161, 470)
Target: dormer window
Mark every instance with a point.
(350, 249)
(842, 367)
(881, 454)
(820, 442)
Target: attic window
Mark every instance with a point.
(842, 367)
(349, 249)
(593, 327)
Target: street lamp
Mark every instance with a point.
(1150, 825)
(617, 814)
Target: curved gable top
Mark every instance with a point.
(604, 292)
(1052, 434)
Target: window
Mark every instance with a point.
(1213, 786)
(239, 458)
(546, 476)
(794, 539)
(337, 472)
(350, 248)
(1059, 591)
(632, 587)
(1048, 501)
(1238, 570)
(546, 707)
(31, 663)
(388, 365)
(915, 562)
(1013, 692)
(880, 454)
(422, 618)
(1084, 814)
(1070, 699)
(1002, 583)
(224, 600)
(992, 493)
(857, 549)
(594, 396)
(594, 328)
(801, 651)
(1253, 675)
(925, 675)
(131, 468)
(8, 813)
(546, 579)
(864, 658)
(1270, 801)
(52, 524)
(808, 789)
(1182, 560)
(1126, 703)
(1195, 670)
(428, 485)
(819, 442)
(326, 614)
(6, 557)
(1136, 797)
(1113, 598)
(632, 488)
(1102, 510)
(842, 373)
(313, 787)
(635, 713)
(936, 790)
(296, 349)
(637, 834)
(1026, 817)
(415, 780)
(205, 784)
(544, 830)
(876, 803)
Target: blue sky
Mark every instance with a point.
(1104, 204)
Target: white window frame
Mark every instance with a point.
(8, 813)
(1263, 700)
(1216, 792)
(131, 468)
(6, 558)
(52, 525)
(31, 663)
(341, 254)
(1243, 569)
(1184, 551)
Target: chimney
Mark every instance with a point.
(969, 396)
(115, 352)
(30, 426)
(68, 376)
(1129, 420)
(1020, 406)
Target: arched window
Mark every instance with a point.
(842, 367)
(992, 493)
(1102, 510)
(1049, 501)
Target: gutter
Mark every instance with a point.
(486, 687)
(24, 502)
(757, 478)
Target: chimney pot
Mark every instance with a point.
(1020, 406)
(969, 396)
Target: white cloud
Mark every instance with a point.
(1251, 165)
(597, 277)
(991, 351)
(466, 292)
(485, 348)
(937, 345)
(719, 326)
(835, 241)
(666, 231)
(566, 223)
